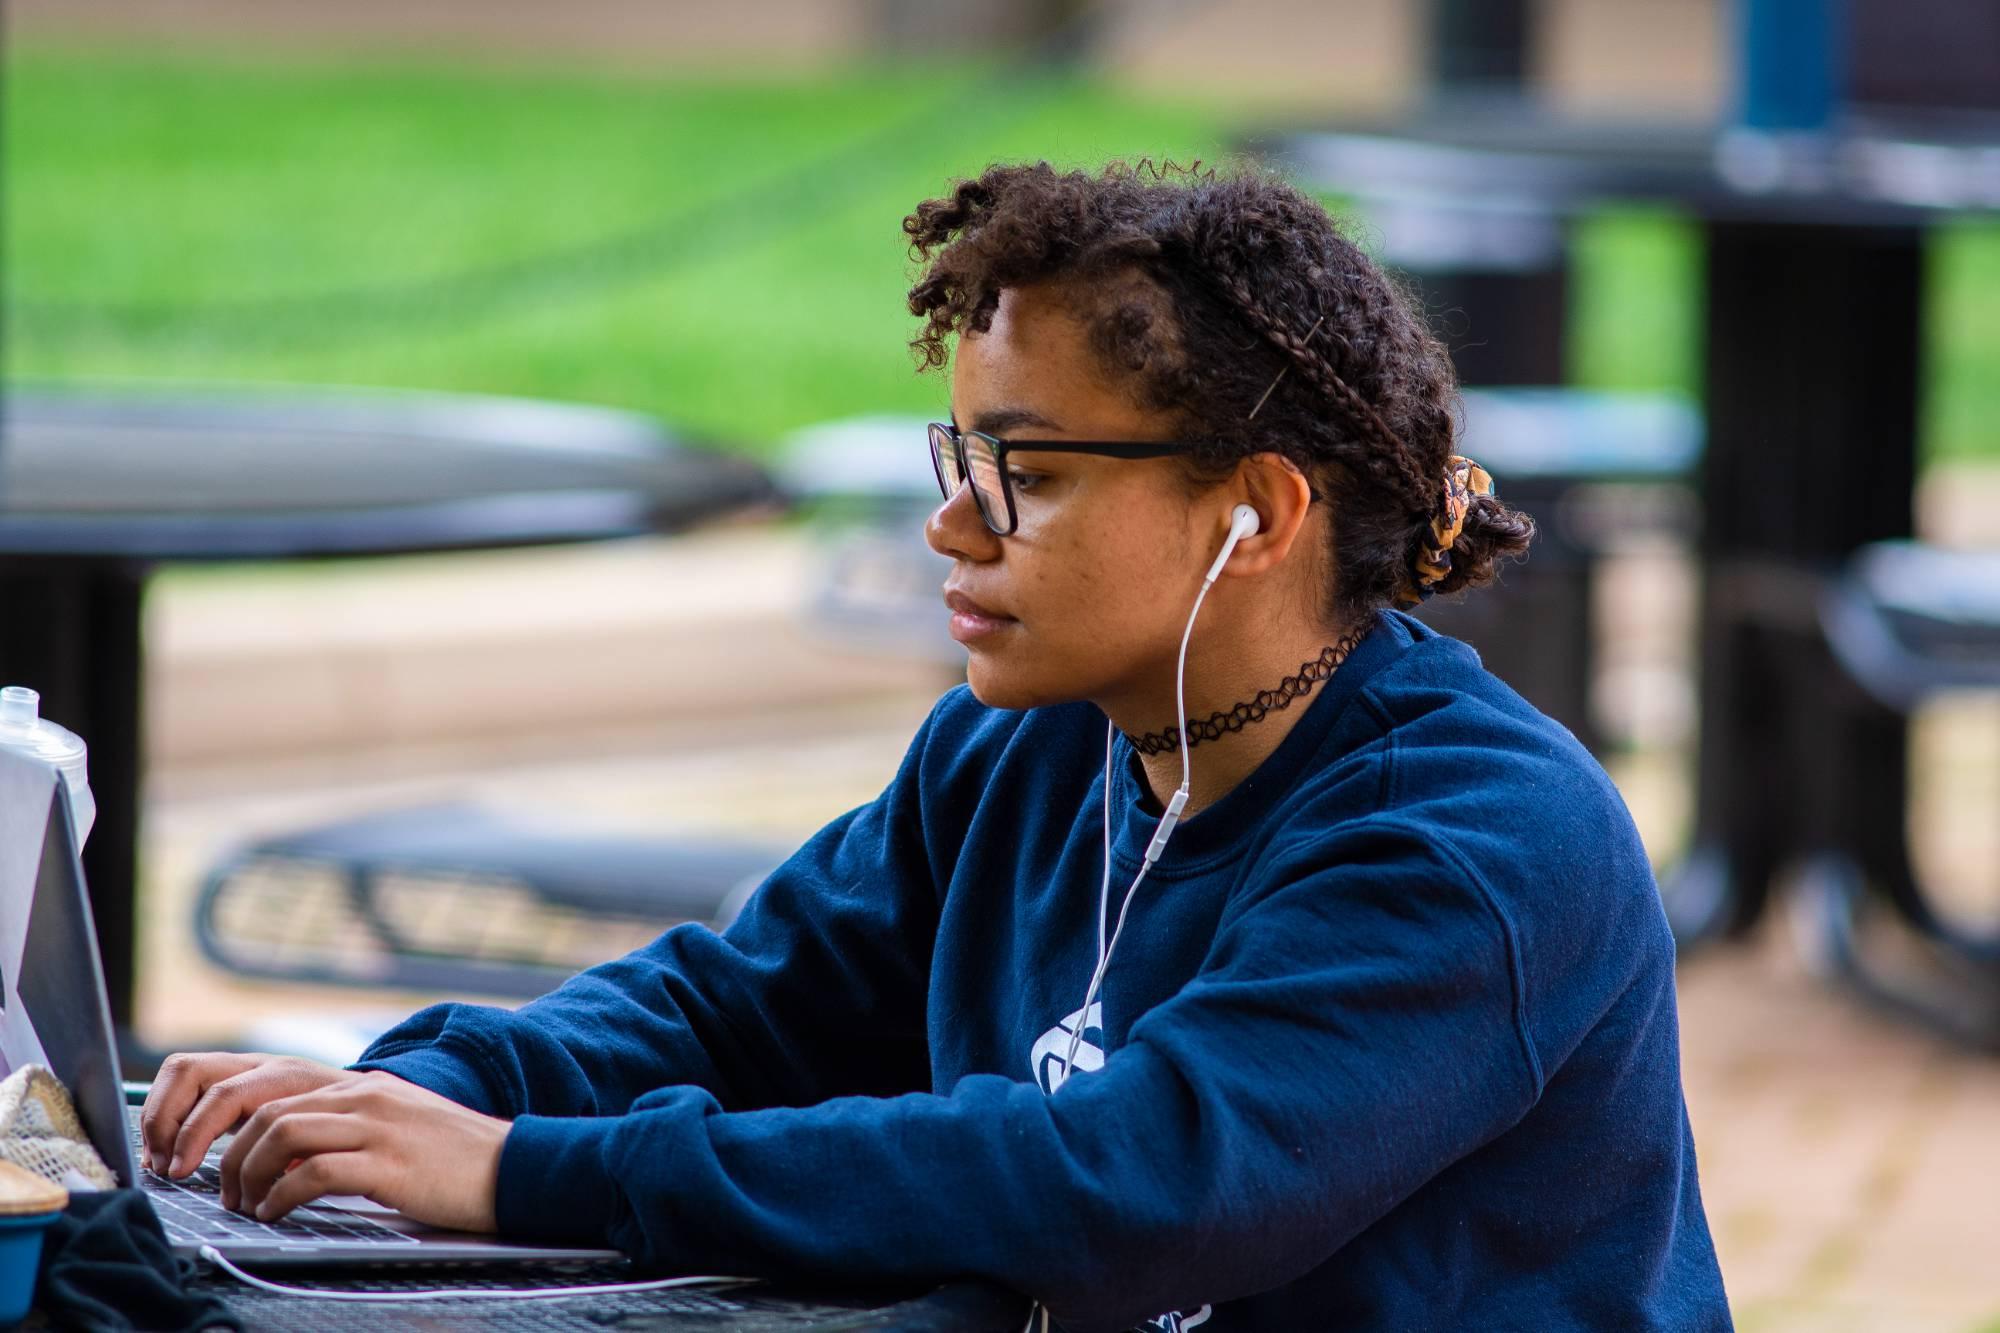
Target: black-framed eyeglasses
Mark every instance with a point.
(961, 456)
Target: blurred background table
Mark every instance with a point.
(1853, 135)
(99, 487)
(1813, 361)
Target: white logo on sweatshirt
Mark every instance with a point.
(1046, 1059)
(1178, 1323)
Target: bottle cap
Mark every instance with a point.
(25, 731)
(23, 728)
(18, 705)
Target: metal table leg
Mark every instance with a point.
(1814, 342)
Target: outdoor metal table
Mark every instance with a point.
(99, 487)
(752, 1308)
(1812, 364)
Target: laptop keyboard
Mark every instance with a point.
(191, 1213)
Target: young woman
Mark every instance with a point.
(1238, 955)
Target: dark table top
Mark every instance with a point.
(750, 1308)
(179, 474)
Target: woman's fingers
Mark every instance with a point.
(374, 1134)
(225, 1103)
(328, 1173)
(295, 1135)
(333, 1100)
(212, 1116)
(181, 1082)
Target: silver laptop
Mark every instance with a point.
(53, 1009)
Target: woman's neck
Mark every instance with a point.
(1216, 685)
(1220, 765)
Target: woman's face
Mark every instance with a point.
(1087, 597)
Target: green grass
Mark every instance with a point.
(214, 205)
(1636, 316)
(1635, 304)
(721, 250)
(1962, 399)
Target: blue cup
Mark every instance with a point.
(20, 1255)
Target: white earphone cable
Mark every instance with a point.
(1104, 889)
(1160, 834)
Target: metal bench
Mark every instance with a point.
(461, 899)
(1903, 624)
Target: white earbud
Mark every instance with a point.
(1243, 522)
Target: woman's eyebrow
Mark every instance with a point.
(996, 420)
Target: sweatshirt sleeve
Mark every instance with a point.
(816, 990)
(1355, 1029)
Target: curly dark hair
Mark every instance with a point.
(1198, 288)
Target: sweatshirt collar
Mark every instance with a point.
(1216, 832)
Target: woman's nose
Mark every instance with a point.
(955, 529)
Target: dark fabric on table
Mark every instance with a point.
(106, 1266)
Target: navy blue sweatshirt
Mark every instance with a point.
(1389, 1042)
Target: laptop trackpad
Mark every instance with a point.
(382, 1215)
(354, 1203)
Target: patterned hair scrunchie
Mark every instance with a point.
(1463, 479)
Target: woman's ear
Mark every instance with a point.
(1271, 484)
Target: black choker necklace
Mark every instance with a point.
(1218, 725)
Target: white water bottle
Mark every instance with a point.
(23, 729)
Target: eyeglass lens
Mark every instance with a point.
(982, 469)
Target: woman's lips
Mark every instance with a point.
(970, 620)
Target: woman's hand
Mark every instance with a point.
(371, 1134)
(198, 1098)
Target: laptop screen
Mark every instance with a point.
(52, 991)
